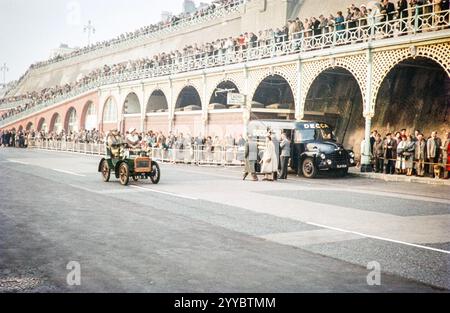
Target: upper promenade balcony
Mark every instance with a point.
(424, 23)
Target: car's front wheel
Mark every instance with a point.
(106, 171)
(124, 174)
(309, 168)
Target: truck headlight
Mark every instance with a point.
(323, 156)
(329, 162)
(352, 161)
(351, 154)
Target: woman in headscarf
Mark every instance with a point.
(269, 160)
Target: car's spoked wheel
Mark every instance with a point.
(106, 171)
(308, 168)
(156, 173)
(124, 174)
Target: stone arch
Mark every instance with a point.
(222, 98)
(110, 111)
(157, 102)
(88, 119)
(188, 97)
(335, 97)
(277, 91)
(56, 123)
(29, 126)
(415, 94)
(355, 64)
(213, 82)
(288, 72)
(71, 120)
(385, 61)
(42, 125)
(131, 104)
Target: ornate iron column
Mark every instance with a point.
(143, 108)
(366, 165)
(247, 108)
(205, 105)
(299, 109)
(171, 105)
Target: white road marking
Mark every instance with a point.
(18, 162)
(68, 172)
(379, 238)
(165, 193)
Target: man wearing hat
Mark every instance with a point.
(132, 139)
(114, 142)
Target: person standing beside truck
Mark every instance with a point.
(251, 156)
(285, 147)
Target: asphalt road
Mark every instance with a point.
(203, 229)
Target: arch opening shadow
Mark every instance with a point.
(29, 126)
(218, 100)
(70, 123)
(274, 92)
(132, 104)
(335, 98)
(110, 111)
(42, 125)
(188, 100)
(157, 103)
(56, 125)
(415, 94)
(89, 116)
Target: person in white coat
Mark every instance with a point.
(269, 160)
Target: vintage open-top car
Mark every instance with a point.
(126, 163)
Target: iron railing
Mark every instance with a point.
(372, 28)
(196, 154)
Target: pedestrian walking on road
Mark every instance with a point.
(285, 147)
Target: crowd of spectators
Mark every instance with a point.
(399, 153)
(22, 138)
(148, 139)
(406, 154)
(356, 17)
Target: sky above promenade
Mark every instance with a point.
(30, 29)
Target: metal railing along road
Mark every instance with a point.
(199, 155)
(373, 28)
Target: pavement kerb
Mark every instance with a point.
(403, 178)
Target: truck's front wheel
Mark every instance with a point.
(309, 168)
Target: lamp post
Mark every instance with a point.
(90, 30)
(4, 69)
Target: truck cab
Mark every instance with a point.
(314, 147)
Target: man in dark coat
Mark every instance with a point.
(390, 153)
(378, 153)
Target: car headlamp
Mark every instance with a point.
(323, 156)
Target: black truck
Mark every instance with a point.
(314, 145)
